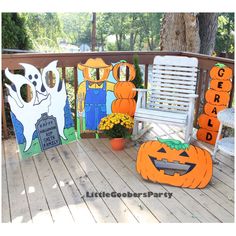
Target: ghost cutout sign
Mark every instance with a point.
(45, 121)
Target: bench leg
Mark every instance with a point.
(187, 137)
(135, 129)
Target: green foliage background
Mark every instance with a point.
(115, 31)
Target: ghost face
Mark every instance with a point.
(33, 75)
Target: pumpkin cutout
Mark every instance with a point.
(174, 163)
(124, 90)
(220, 71)
(208, 122)
(217, 98)
(125, 106)
(212, 110)
(221, 85)
(116, 68)
(207, 136)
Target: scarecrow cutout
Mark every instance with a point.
(101, 92)
(44, 121)
(169, 161)
(217, 98)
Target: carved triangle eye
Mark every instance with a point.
(184, 154)
(162, 150)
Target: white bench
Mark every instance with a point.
(171, 98)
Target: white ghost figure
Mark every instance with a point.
(34, 76)
(58, 96)
(26, 112)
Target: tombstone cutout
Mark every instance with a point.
(217, 98)
(45, 121)
(48, 133)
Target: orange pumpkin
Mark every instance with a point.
(174, 163)
(221, 85)
(208, 122)
(220, 71)
(217, 98)
(207, 136)
(212, 110)
(124, 90)
(125, 106)
(132, 71)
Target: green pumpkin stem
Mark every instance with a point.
(220, 65)
(174, 144)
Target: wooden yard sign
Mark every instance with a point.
(103, 89)
(217, 98)
(172, 162)
(44, 120)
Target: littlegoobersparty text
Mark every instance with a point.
(128, 194)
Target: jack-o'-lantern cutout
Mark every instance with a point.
(212, 110)
(221, 85)
(125, 106)
(174, 163)
(208, 122)
(207, 136)
(220, 71)
(217, 98)
(117, 71)
(124, 90)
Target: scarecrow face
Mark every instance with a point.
(174, 163)
(95, 70)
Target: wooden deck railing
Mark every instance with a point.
(70, 60)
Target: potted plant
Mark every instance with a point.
(117, 127)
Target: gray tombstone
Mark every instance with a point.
(48, 133)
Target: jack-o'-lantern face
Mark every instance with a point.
(95, 70)
(175, 163)
(122, 69)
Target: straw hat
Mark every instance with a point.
(94, 63)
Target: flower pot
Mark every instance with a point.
(117, 143)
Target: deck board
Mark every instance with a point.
(36, 197)
(6, 217)
(52, 186)
(80, 165)
(140, 211)
(56, 202)
(158, 208)
(19, 206)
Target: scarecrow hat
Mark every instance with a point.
(94, 63)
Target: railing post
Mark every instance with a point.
(75, 92)
(146, 76)
(4, 120)
(64, 74)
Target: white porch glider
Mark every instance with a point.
(171, 98)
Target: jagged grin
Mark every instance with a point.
(172, 168)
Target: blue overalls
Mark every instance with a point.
(95, 106)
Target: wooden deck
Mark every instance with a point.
(52, 186)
